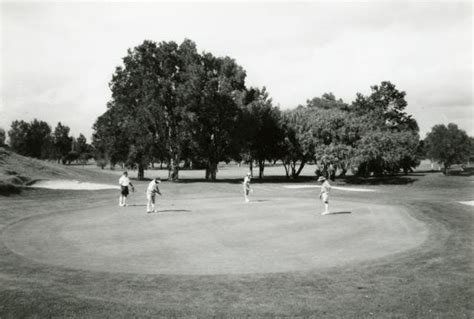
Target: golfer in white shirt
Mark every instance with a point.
(151, 192)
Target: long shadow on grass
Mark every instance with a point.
(340, 213)
(171, 211)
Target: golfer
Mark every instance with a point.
(124, 183)
(247, 188)
(151, 192)
(324, 195)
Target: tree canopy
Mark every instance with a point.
(172, 103)
(262, 131)
(386, 125)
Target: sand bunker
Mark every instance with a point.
(470, 203)
(350, 189)
(71, 185)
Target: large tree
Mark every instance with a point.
(109, 140)
(146, 96)
(335, 132)
(214, 94)
(262, 129)
(448, 145)
(387, 123)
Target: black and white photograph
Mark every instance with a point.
(236, 159)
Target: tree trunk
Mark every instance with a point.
(261, 166)
(445, 169)
(295, 173)
(141, 172)
(287, 169)
(251, 167)
(303, 163)
(293, 169)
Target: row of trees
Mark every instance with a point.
(37, 139)
(170, 103)
(173, 105)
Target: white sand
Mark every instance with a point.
(470, 203)
(71, 185)
(350, 189)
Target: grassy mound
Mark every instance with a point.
(17, 171)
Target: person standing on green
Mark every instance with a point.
(151, 192)
(324, 195)
(124, 183)
(247, 188)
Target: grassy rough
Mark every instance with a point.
(17, 171)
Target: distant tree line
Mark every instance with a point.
(37, 139)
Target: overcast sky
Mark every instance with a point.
(57, 58)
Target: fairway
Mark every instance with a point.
(216, 235)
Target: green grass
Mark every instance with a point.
(434, 280)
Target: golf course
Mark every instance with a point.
(393, 247)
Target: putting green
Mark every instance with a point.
(216, 236)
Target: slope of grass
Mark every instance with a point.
(16, 171)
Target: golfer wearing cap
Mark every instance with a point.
(151, 192)
(324, 195)
(247, 188)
